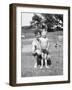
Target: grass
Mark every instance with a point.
(27, 60)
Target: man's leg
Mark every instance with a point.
(38, 60)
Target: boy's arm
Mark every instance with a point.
(47, 45)
(33, 47)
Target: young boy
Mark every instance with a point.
(44, 48)
(36, 48)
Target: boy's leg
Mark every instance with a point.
(41, 64)
(35, 65)
(42, 61)
(39, 60)
(35, 59)
(48, 58)
(46, 65)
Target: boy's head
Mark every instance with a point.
(44, 31)
(37, 33)
(44, 28)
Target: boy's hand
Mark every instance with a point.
(38, 52)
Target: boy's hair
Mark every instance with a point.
(37, 31)
(44, 27)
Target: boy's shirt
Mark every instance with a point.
(36, 45)
(44, 43)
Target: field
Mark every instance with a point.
(56, 50)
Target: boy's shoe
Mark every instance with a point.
(41, 67)
(47, 67)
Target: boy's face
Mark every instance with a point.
(44, 33)
(38, 35)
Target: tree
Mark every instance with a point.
(51, 21)
(36, 21)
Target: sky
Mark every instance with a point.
(26, 18)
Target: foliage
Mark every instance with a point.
(51, 21)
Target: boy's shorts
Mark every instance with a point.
(39, 56)
(34, 54)
(49, 59)
(45, 51)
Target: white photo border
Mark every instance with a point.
(63, 77)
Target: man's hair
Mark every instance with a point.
(37, 31)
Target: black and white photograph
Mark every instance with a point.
(41, 44)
